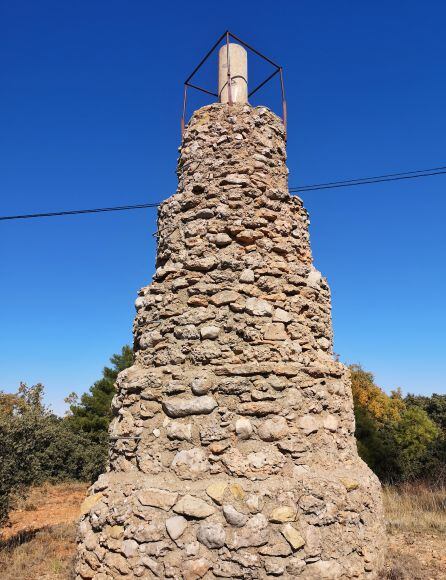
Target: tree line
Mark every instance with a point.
(400, 438)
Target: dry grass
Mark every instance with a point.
(40, 543)
(416, 508)
(44, 555)
(416, 527)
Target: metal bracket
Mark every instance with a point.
(228, 35)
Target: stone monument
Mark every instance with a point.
(232, 449)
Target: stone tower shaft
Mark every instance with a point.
(232, 448)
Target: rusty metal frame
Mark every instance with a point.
(227, 36)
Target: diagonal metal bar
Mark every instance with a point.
(263, 83)
(204, 59)
(201, 89)
(253, 49)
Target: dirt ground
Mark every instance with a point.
(39, 543)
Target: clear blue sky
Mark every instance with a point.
(90, 102)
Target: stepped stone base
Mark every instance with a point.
(232, 449)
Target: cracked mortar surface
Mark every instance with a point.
(246, 466)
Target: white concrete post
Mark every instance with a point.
(238, 67)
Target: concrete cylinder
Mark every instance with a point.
(238, 69)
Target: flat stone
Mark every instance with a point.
(331, 423)
(217, 490)
(275, 331)
(89, 502)
(222, 240)
(309, 424)
(243, 428)
(277, 548)
(209, 332)
(188, 463)
(281, 315)
(159, 498)
(194, 569)
(258, 307)
(155, 567)
(179, 407)
(247, 277)
(255, 533)
(193, 507)
(211, 534)
(273, 429)
(282, 514)
(130, 548)
(292, 536)
(180, 431)
(349, 484)
(224, 297)
(237, 491)
(175, 526)
(234, 517)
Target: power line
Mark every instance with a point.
(78, 211)
(314, 187)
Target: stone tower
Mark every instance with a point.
(232, 450)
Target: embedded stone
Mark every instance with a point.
(217, 490)
(175, 526)
(222, 240)
(234, 517)
(159, 498)
(243, 428)
(237, 491)
(309, 424)
(330, 423)
(292, 536)
(281, 315)
(255, 533)
(258, 307)
(209, 332)
(130, 548)
(349, 484)
(273, 429)
(189, 463)
(211, 534)
(201, 386)
(180, 431)
(90, 502)
(194, 569)
(247, 276)
(282, 514)
(275, 331)
(178, 407)
(193, 507)
(224, 297)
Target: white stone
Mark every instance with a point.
(190, 462)
(175, 526)
(181, 431)
(309, 424)
(243, 428)
(281, 315)
(258, 307)
(247, 276)
(209, 332)
(273, 429)
(330, 423)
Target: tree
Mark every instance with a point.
(395, 439)
(93, 413)
(36, 446)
